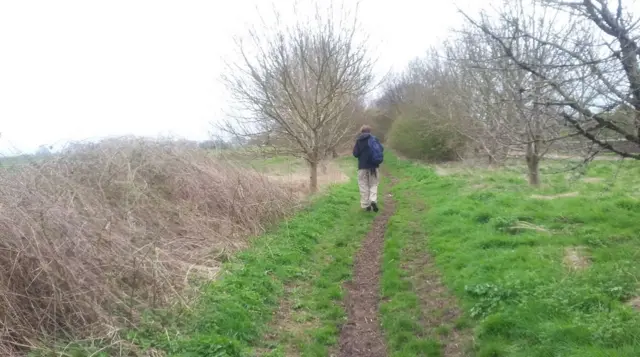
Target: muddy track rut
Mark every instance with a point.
(362, 335)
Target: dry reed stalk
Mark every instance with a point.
(91, 237)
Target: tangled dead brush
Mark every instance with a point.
(91, 237)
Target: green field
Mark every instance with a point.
(543, 272)
(475, 263)
(11, 161)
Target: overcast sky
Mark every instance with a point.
(86, 69)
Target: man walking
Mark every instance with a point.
(369, 152)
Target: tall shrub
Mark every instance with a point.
(422, 139)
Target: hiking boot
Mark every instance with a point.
(368, 209)
(374, 206)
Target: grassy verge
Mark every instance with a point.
(311, 312)
(546, 272)
(314, 250)
(411, 328)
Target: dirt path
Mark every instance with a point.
(362, 335)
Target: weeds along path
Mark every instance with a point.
(362, 335)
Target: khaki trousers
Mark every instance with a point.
(368, 181)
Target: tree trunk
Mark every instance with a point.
(334, 153)
(313, 178)
(532, 154)
(533, 164)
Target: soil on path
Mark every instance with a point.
(362, 335)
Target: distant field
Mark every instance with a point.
(291, 169)
(9, 161)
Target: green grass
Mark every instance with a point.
(499, 249)
(411, 327)
(511, 278)
(400, 310)
(313, 249)
(311, 326)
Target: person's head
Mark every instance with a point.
(365, 129)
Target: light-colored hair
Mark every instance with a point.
(365, 129)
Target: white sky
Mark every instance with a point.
(86, 69)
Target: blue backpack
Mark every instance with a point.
(376, 151)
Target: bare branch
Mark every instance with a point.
(600, 75)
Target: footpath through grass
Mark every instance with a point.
(546, 272)
(476, 263)
(311, 312)
(304, 261)
(419, 315)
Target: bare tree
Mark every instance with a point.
(521, 118)
(595, 47)
(300, 82)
